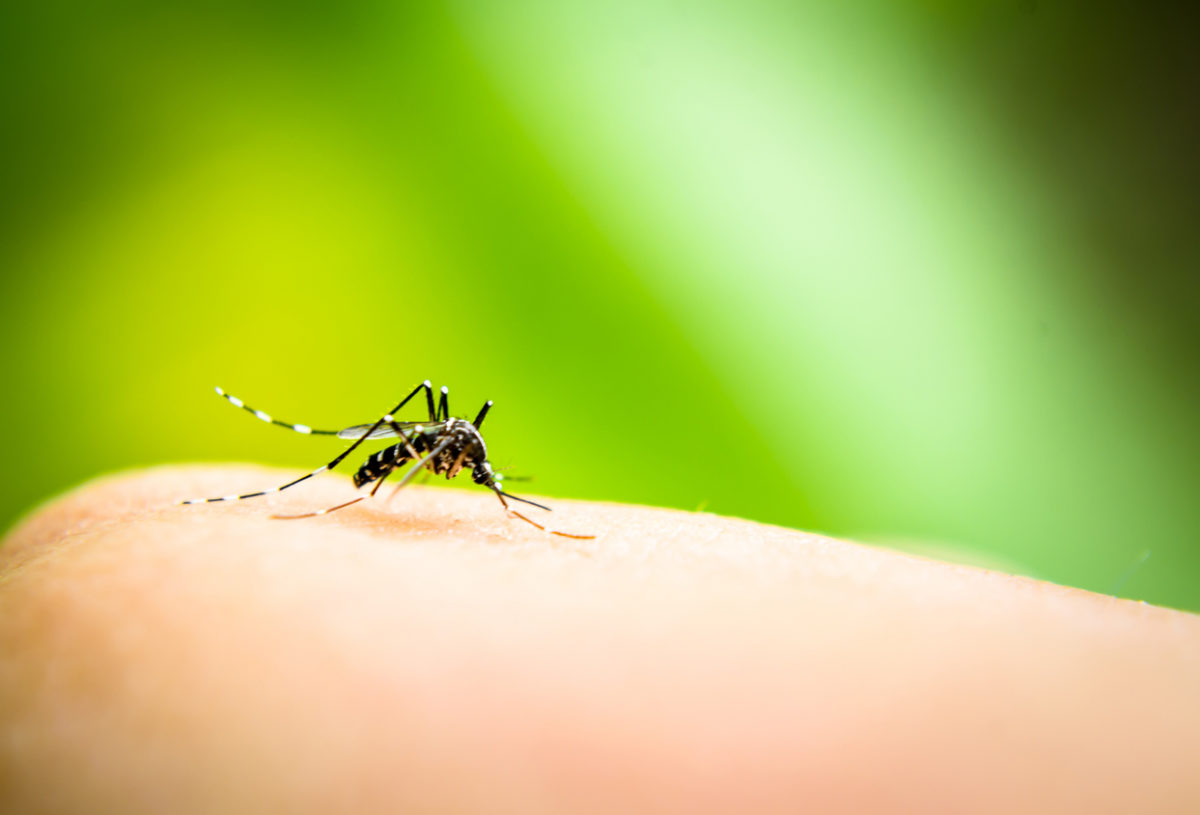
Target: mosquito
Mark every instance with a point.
(443, 444)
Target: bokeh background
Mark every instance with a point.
(921, 274)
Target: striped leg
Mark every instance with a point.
(387, 417)
(266, 417)
(312, 431)
(374, 490)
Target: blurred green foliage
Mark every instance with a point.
(922, 275)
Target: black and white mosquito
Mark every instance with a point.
(442, 444)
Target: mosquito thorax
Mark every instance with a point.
(464, 436)
(460, 445)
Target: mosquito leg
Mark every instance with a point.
(553, 531)
(387, 417)
(420, 464)
(483, 411)
(429, 401)
(502, 495)
(416, 468)
(572, 535)
(317, 471)
(319, 511)
(457, 465)
(404, 439)
(444, 405)
(526, 520)
(266, 417)
(371, 494)
(379, 484)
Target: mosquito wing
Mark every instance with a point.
(384, 431)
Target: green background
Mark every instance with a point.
(920, 274)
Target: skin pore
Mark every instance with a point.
(432, 654)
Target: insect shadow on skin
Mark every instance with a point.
(443, 445)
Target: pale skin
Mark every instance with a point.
(433, 655)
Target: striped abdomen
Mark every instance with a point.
(380, 463)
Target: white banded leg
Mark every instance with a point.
(317, 471)
(269, 419)
(328, 510)
(387, 417)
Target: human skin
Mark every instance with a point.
(433, 655)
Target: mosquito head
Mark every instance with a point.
(482, 474)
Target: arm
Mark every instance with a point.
(434, 655)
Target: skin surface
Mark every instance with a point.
(434, 655)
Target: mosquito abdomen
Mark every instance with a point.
(379, 464)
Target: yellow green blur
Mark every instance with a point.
(811, 264)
